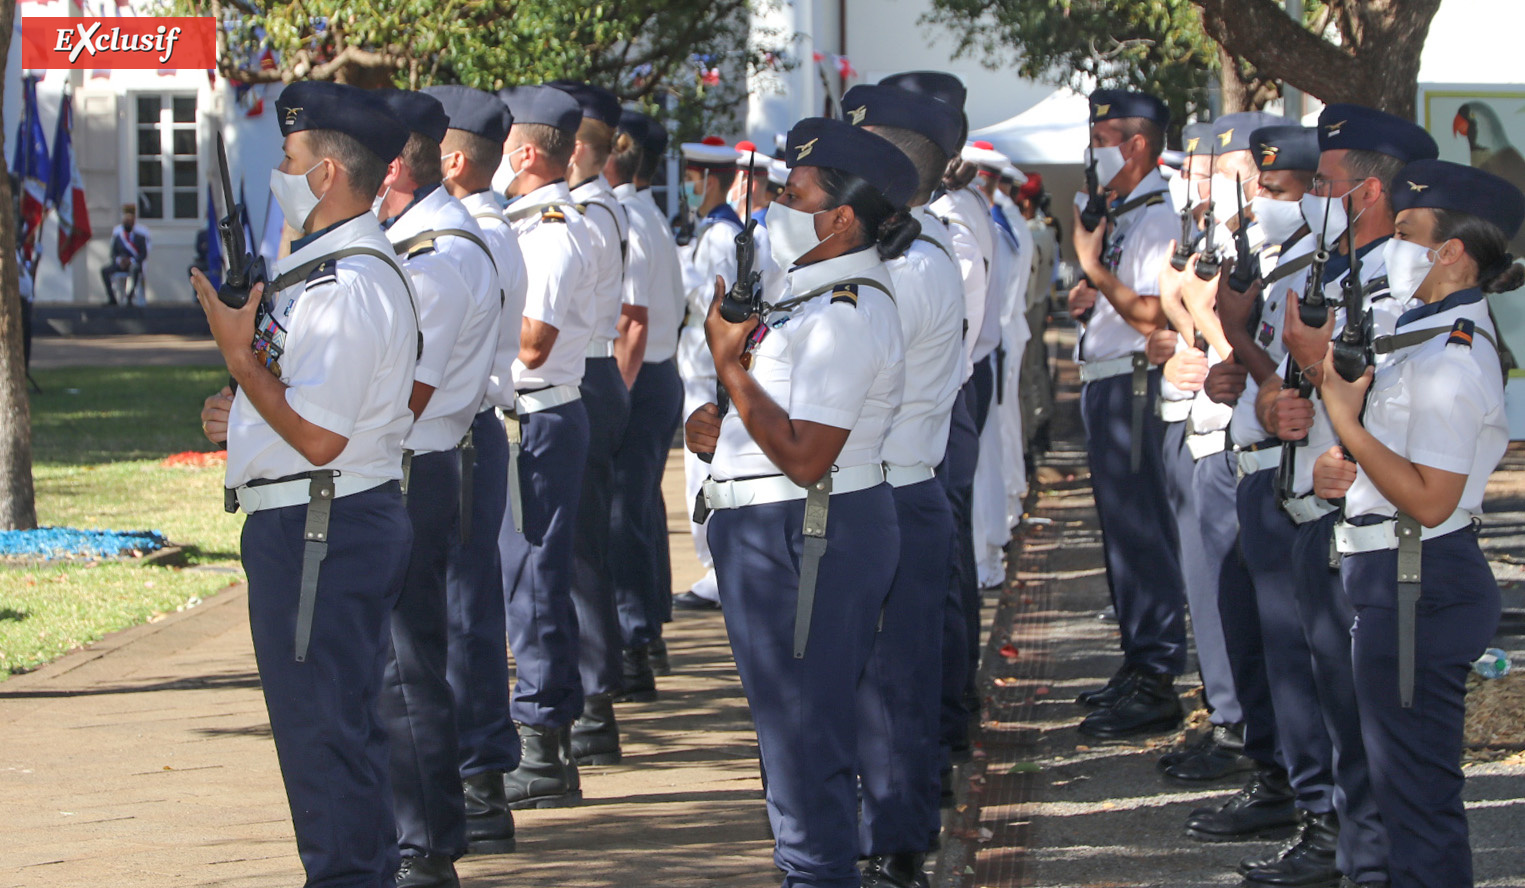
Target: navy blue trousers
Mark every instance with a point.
(477, 668)
(805, 708)
(1327, 617)
(638, 554)
(899, 699)
(537, 568)
(324, 711)
(1415, 754)
(961, 606)
(1138, 528)
(1216, 484)
(1266, 537)
(607, 403)
(417, 706)
(980, 391)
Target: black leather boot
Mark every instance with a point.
(1115, 689)
(1181, 752)
(489, 823)
(1307, 862)
(1262, 809)
(545, 778)
(639, 679)
(1222, 757)
(1149, 707)
(896, 871)
(431, 871)
(660, 664)
(595, 736)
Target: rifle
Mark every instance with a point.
(1352, 348)
(1095, 209)
(243, 269)
(1182, 253)
(1246, 265)
(1207, 263)
(744, 299)
(1313, 310)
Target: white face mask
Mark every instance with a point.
(376, 204)
(1177, 186)
(1223, 191)
(503, 179)
(1109, 162)
(1277, 218)
(791, 233)
(1314, 210)
(1408, 264)
(295, 196)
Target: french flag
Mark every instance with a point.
(67, 190)
(31, 165)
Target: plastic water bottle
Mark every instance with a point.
(1494, 663)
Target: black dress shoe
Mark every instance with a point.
(1262, 809)
(489, 822)
(596, 736)
(429, 871)
(1221, 758)
(1182, 752)
(1306, 862)
(637, 676)
(688, 601)
(1150, 707)
(657, 650)
(896, 871)
(1115, 689)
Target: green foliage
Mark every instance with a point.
(650, 52)
(1153, 45)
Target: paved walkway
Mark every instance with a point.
(50, 352)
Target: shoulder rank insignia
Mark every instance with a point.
(552, 214)
(1461, 333)
(422, 249)
(847, 293)
(325, 273)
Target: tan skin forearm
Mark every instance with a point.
(630, 347)
(1143, 313)
(316, 444)
(536, 339)
(419, 399)
(804, 451)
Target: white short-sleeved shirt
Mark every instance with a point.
(829, 360)
(1439, 404)
(973, 242)
(1004, 256)
(1385, 311)
(1245, 429)
(344, 342)
(609, 228)
(712, 252)
(554, 238)
(653, 274)
(929, 302)
(1138, 247)
(460, 308)
(504, 243)
(772, 275)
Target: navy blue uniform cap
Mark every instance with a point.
(1197, 138)
(1344, 127)
(359, 114)
(1285, 148)
(473, 111)
(1441, 185)
(879, 105)
(423, 114)
(645, 129)
(1116, 104)
(543, 105)
(838, 145)
(939, 85)
(1233, 131)
(595, 101)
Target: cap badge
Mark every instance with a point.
(291, 115)
(1333, 129)
(805, 149)
(1268, 154)
(857, 114)
(1103, 109)
(1191, 144)
(1414, 186)
(1225, 137)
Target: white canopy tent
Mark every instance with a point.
(1054, 131)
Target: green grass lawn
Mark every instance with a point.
(99, 436)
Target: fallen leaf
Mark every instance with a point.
(1009, 651)
(1025, 768)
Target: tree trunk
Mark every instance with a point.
(1240, 91)
(1378, 66)
(18, 510)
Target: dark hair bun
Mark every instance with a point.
(896, 234)
(1509, 275)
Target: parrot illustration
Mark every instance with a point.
(1491, 150)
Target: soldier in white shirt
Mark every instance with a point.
(550, 420)
(478, 660)
(903, 744)
(638, 516)
(314, 441)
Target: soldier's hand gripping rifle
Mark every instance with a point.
(243, 270)
(1095, 210)
(1246, 263)
(1352, 348)
(744, 299)
(1313, 311)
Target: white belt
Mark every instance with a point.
(1207, 443)
(1091, 371)
(904, 476)
(1307, 508)
(1350, 538)
(1252, 461)
(545, 399)
(599, 348)
(297, 491)
(1174, 411)
(779, 489)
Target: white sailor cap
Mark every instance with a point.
(778, 173)
(779, 141)
(1014, 174)
(750, 157)
(712, 153)
(984, 156)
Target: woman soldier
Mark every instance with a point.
(1432, 431)
(804, 532)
